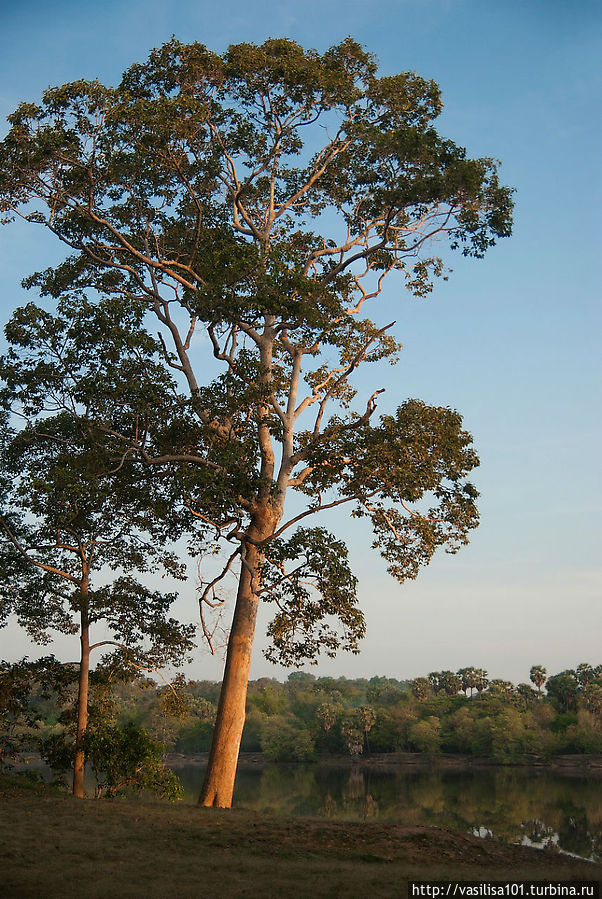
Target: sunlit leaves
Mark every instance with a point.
(407, 474)
(309, 580)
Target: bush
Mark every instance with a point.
(194, 736)
(509, 736)
(385, 736)
(425, 735)
(285, 740)
(251, 735)
(128, 759)
(585, 735)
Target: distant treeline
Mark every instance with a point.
(309, 717)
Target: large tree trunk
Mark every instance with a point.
(82, 707)
(218, 786)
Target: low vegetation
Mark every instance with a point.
(134, 722)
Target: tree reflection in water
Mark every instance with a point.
(511, 804)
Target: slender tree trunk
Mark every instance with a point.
(82, 704)
(218, 787)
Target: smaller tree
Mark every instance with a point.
(328, 714)
(592, 698)
(481, 680)
(366, 719)
(563, 690)
(124, 758)
(508, 735)
(71, 512)
(434, 679)
(352, 733)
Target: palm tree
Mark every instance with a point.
(538, 676)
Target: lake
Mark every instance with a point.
(517, 805)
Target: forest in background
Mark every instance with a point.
(135, 722)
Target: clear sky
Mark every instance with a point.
(512, 342)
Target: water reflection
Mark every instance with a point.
(515, 805)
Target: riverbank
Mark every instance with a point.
(55, 847)
(590, 765)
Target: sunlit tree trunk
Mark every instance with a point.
(218, 786)
(82, 699)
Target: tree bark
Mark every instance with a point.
(218, 786)
(82, 706)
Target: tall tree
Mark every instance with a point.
(422, 687)
(260, 199)
(538, 676)
(68, 514)
(473, 679)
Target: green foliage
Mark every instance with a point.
(124, 757)
(285, 740)
(586, 734)
(320, 588)
(269, 701)
(538, 676)
(473, 679)
(425, 735)
(422, 687)
(508, 735)
(126, 760)
(445, 682)
(253, 731)
(384, 691)
(194, 736)
(72, 512)
(328, 714)
(352, 733)
(305, 718)
(385, 736)
(70, 507)
(24, 686)
(563, 689)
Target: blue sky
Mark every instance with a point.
(512, 341)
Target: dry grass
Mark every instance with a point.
(55, 847)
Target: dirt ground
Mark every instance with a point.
(55, 847)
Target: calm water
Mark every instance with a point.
(515, 805)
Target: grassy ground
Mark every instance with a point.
(55, 847)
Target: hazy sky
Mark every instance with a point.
(512, 342)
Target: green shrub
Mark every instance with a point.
(285, 740)
(194, 736)
(128, 759)
(425, 735)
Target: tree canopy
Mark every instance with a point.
(251, 205)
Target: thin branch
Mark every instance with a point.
(312, 511)
(128, 650)
(49, 568)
